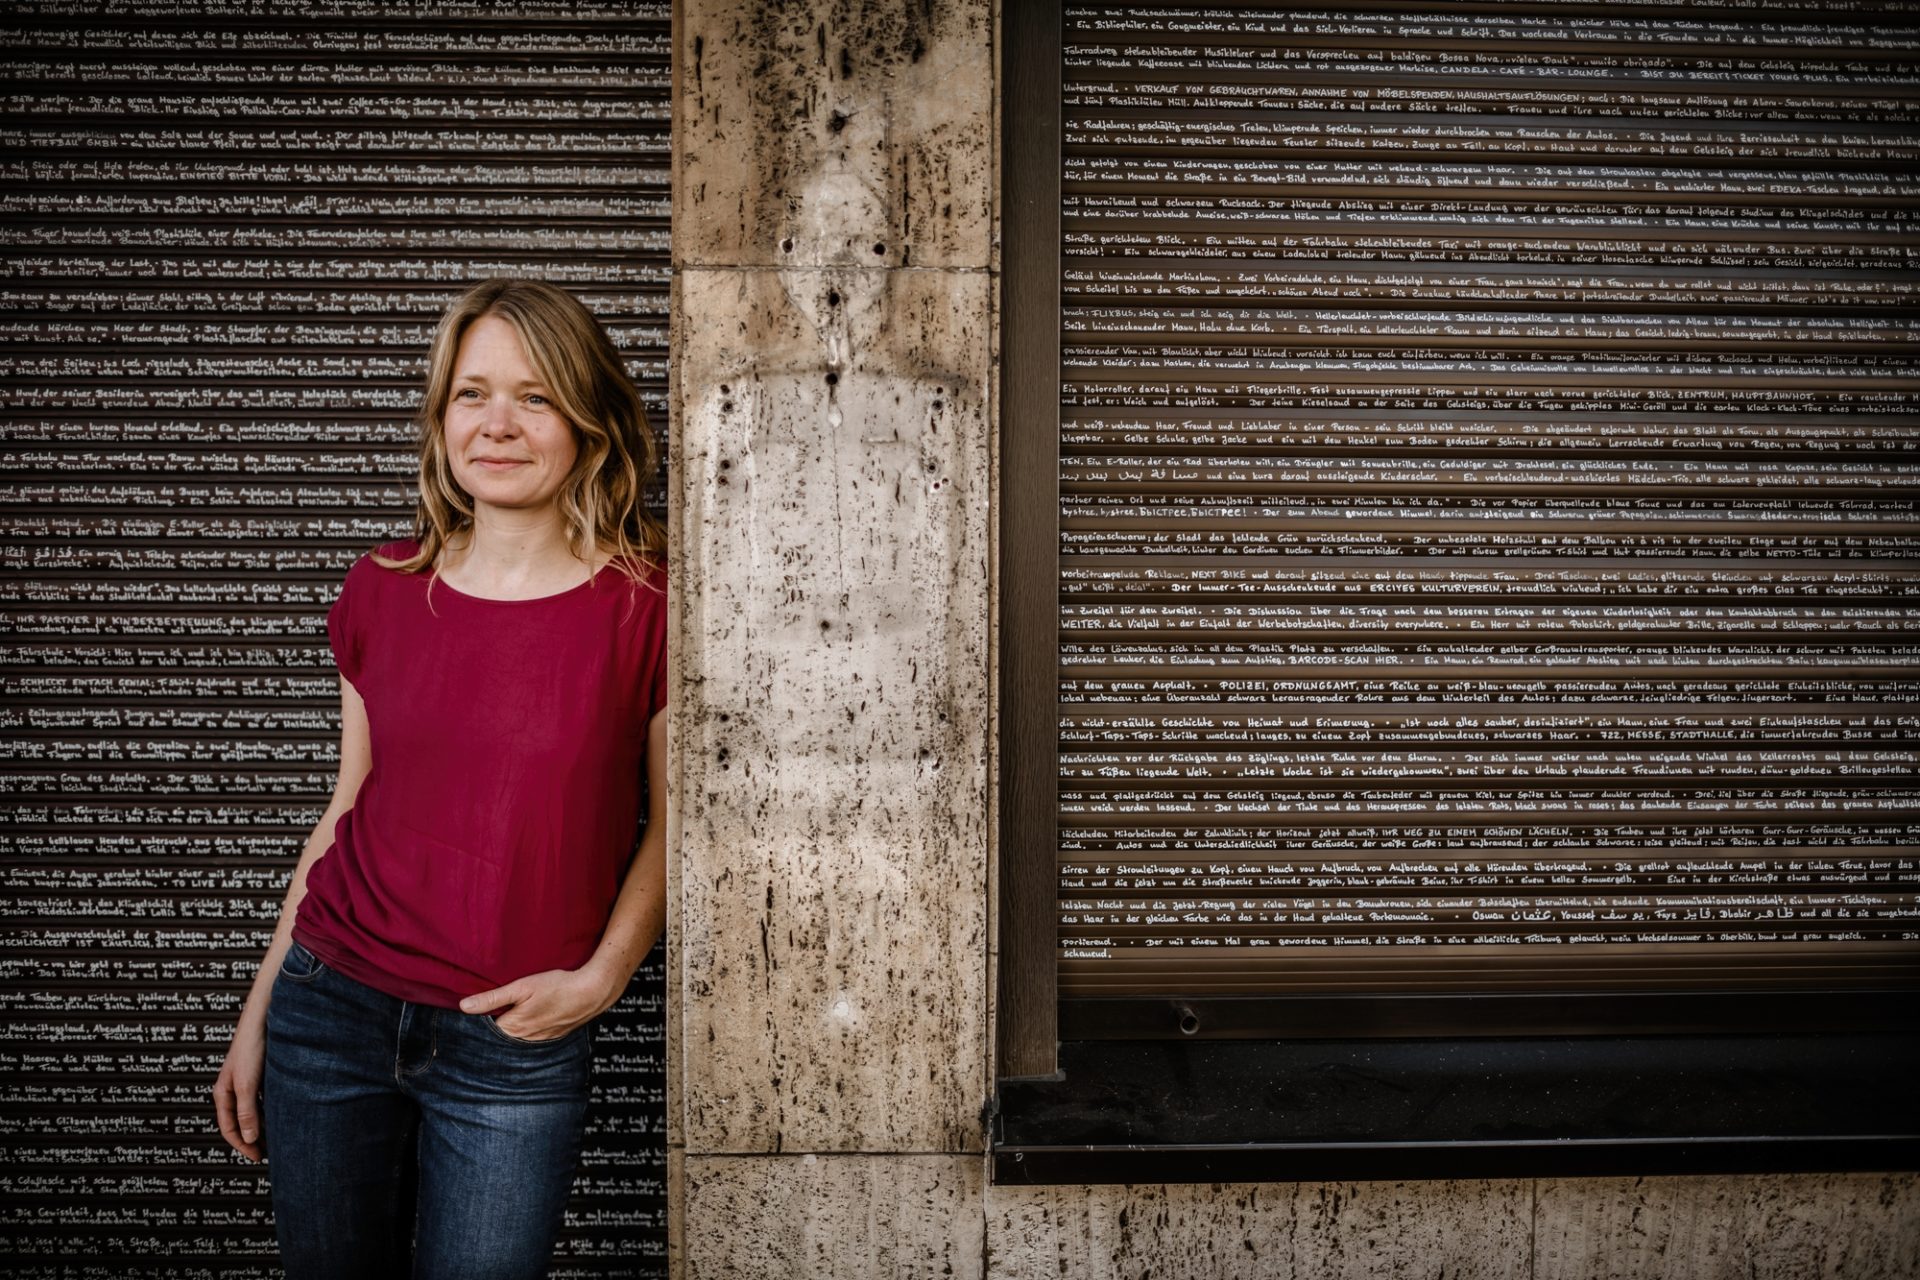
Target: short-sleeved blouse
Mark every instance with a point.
(490, 838)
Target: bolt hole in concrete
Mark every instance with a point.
(879, 248)
(833, 379)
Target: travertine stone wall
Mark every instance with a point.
(1276, 1231)
(1842, 1225)
(829, 1025)
(832, 295)
(915, 1217)
(833, 536)
(1850, 1226)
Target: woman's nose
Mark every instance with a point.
(499, 417)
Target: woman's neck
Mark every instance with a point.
(513, 559)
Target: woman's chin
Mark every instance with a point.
(492, 491)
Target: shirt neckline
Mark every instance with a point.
(558, 595)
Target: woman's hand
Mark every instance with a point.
(236, 1092)
(547, 1005)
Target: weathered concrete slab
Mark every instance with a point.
(1843, 1226)
(831, 643)
(833, 133)
(835, 1217)
(1277, 1231)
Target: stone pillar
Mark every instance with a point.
(832, 329)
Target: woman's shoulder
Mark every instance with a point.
(369, 569)
(398, 549)
(641, 592)
(639, 570)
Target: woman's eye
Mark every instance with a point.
(540, 401)
(467, 393)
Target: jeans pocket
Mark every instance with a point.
(502, 1033)
(300, 964)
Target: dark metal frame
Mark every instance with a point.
(1477, 1015)
(1456, 1158)
(1317, 1109)
(1158, 1090)
(1029, 535)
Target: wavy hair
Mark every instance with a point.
(603, 499)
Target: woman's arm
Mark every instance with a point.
(236, 1092)
(545, 1006)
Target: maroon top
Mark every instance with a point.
(491, 836)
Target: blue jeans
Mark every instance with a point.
(405, 1140)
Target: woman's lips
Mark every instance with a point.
(496, 466)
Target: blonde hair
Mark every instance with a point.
(603, 498)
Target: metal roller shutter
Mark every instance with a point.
(230, 227)
(1487, 471)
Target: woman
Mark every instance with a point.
(419, 1034)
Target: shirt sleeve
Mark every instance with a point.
(655, 645)
(658, 699)
(344, 627)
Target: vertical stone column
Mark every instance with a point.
(832, 331)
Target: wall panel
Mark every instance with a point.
(1487, 526)
(228, 228)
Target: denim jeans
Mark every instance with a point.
(409, 1141)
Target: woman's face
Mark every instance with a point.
(506, 441)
